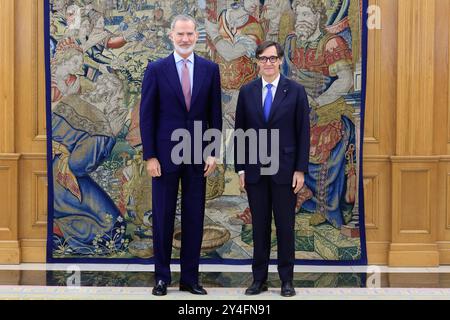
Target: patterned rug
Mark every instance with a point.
(99, 193)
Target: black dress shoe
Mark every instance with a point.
(194, 289)
(256, 288)
(160, 289)
(287, 289)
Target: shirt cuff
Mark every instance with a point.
(241, 172)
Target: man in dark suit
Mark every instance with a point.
(177, 91)
(276, 104)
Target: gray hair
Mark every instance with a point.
(183, 17)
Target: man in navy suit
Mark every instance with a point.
(276, 104)
(178, 91)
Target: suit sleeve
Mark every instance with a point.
(148, 112)
(239, 123)
(303, 132)
(215, 114)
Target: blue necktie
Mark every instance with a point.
(268, 102)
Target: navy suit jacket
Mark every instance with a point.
(289, 114)
(163, 108)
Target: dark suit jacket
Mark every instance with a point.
(163, 108)
(289, 114)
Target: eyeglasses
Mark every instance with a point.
(264, 59)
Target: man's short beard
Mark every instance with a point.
(183, 50)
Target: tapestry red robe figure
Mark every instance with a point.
(322, 63)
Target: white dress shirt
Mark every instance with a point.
(179, 63)
(274, 88)
(264, 94)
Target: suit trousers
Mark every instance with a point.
(164, 203)
(265, 196)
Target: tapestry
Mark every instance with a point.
(100, 200)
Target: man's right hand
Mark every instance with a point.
(153, 167)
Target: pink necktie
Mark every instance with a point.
(186, 84)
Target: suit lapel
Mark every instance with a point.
(199, 75)
(257, 92)
(280, 94)
(174, 80)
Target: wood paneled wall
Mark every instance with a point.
(406, 168)
(406, 138)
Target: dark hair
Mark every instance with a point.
(266, 44)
